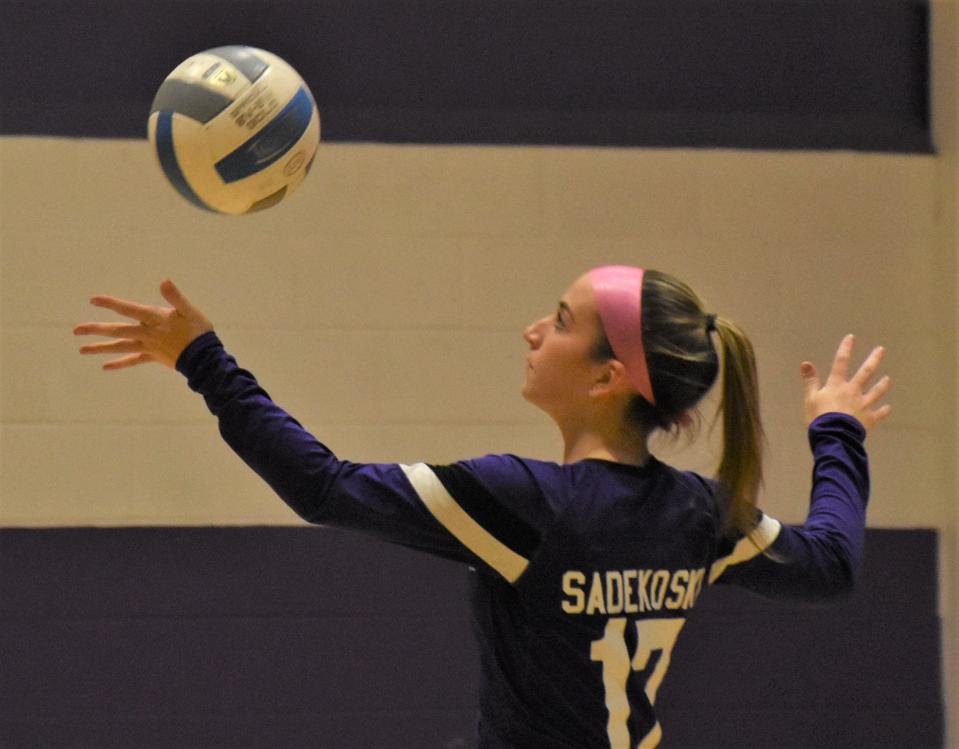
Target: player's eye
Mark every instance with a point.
(558, 320)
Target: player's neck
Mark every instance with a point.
(618, 445)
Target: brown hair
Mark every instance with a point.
(683, 365)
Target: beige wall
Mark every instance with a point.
(383, 305)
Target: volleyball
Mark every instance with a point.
(234, 129)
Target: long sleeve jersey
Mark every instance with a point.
(582, 574)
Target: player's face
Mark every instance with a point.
(560, 369)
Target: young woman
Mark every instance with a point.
(583, 572)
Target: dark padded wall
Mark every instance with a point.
(304, 637)
(728, 73)
(244, 637)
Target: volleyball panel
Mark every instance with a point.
(201, 87)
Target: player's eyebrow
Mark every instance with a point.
(567, 309)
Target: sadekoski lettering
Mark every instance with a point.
(630, 591)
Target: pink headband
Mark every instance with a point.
(619, 298)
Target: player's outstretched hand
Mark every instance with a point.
(158, 334)
(844, 394)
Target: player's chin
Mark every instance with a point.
(532, 395)
(527, 391)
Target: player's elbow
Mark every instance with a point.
(838, 581)
(840, 589)
(835, 561)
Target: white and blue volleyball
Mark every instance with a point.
(235, 129)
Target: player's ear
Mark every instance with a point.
(610, 379)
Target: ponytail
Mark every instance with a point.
(740, 468)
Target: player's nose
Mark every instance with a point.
(532, 334)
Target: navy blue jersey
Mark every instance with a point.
(582, 574)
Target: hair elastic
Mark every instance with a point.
(710, 323)
(619, 298)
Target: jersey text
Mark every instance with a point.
(630, 591)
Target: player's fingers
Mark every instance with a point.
(127, 361)
(141, 312)
(882, 413)
(122, 346)
(877, 391)
(868, 367)
(840, 364)
(109, 329)
(810, 378)
(174, 296)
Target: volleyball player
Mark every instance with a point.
(582, 571)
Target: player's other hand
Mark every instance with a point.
(844, 394)
(157, 334)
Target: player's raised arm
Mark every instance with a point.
(157, 334)
(820, 559)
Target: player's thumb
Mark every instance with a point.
(810, 378)
(175, 297)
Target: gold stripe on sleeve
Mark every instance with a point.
(458, 522)
(748, 547)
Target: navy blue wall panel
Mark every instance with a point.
(307, 637)
(714, 73)
(863, 673)
(264, 637)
